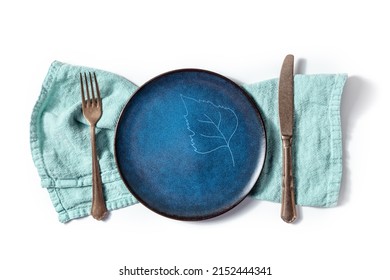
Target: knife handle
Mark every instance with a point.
(289, 213)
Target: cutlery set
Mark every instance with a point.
(213, 132)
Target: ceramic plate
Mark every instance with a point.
(190, 144)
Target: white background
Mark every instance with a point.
(244, 40)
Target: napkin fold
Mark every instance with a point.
(60, 144)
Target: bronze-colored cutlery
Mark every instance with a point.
(92, 111)
(286, 118)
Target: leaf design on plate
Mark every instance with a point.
(211, 126)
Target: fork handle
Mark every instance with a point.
(288, 213)
(98, 210)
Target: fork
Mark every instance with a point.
(92, 111)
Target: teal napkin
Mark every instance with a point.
(317, 140)
(60, 145)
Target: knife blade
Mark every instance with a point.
(286, 119)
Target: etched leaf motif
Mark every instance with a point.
(211, 126)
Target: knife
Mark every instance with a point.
(286, 118)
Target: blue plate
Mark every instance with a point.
(190, 144)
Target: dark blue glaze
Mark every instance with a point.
(190, 144)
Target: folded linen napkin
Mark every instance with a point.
(60, 145)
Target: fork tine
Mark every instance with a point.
(93, 99)
(97, 90)
(82, 90)
(86, 86)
